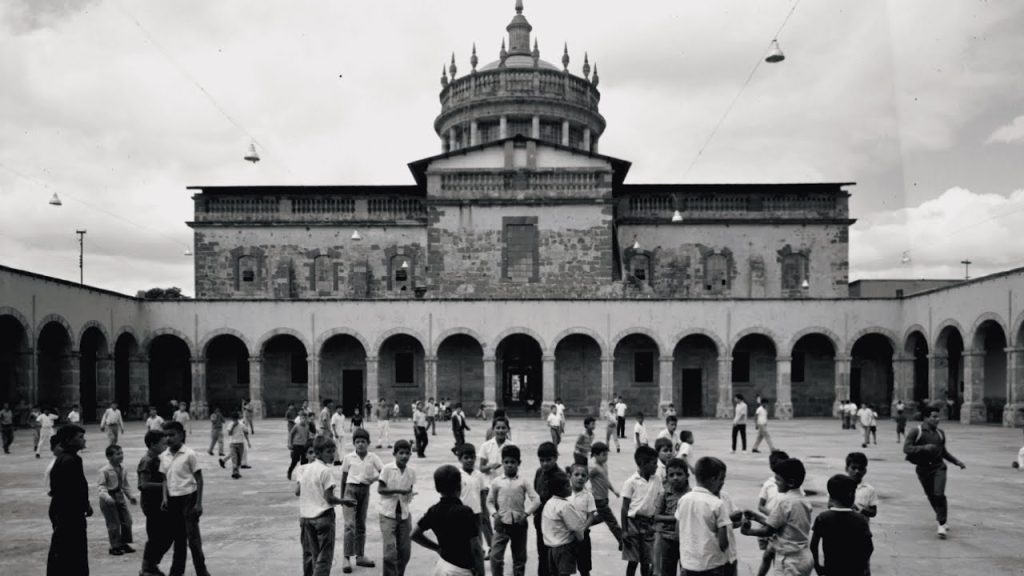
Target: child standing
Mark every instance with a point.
(846, 534)
(151, 488)
(154, 421)
(183, 499)
(585, 507)
(663, 446)
(359, 469)
(611, 427)
(512, 498)
(901, 422)
(396, 491)
(547, 473)
(765, 504)
(670, 431)
(640, 495)
(297, 439)
(686, 441)
(182, 417)
(865, 498)
(600, 486)
(45, 420)
(561, 529)
(238, 437)
(666, 539)
(473, 495)
(703, 522)
(639, 431)
(555, 425)
(789, 522)
(114, 489)
(581, 452)
(452, 525)
(315, 490)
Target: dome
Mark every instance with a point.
(520, 61)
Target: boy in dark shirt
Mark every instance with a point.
(846, 534)
(547, 455)
(69, 507)
(151, 490)
(453, 523)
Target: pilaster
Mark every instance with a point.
(842, 384)
(490, 383)
(1013, 412)
(548, 379)
(199, 404)
(783, 388)
(903, 377)
(938, 368)
(372, 384)
(256, 386)
(724, 409)
(430, 386)
(665, 364)
(607, 380)
(972, 410)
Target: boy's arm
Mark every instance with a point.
(815, 539)
(199, 493)
(624, 515)
(532, 499)
(484, 510)
(762, 505)
(910, 441)
(127, 487)
(344, 483)
(950, 458)
(163, 501)
(723, 538)
(420, 538)
(868, 511)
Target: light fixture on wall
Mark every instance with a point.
(805, 284)
(405, 264)
(677, 216)
(356, 235)
(636, 243)
(188, 251)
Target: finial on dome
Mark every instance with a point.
(452, 69)
(565, 57)
(586, 67)
(519, 6)
(596, 79)
(504, 53)
(473, 60)
(536, 51)
(444, 77)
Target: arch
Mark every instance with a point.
(16, 360)
(454, 331)
(719, 344)
(888, 334)
(98, 326)
(205, 343)
(45, 320)
(583, 331)
(759, 330)
(941, 333)
(168, 332)
(129, 330)
(8, 311)
(638, 330)
(322, 339)
(910, 332)
(262, 342)
(491, 351)
(830, 335)
(395, 332)
(978, 323)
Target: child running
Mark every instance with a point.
(395, 487)
(238, 437)
(611, 425)
(359, 469)
(114, 489)
(846, 534)
(512, 498)
(452, 524)
(581, 452)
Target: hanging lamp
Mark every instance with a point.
(775, 54)
(805, 284)
(252, 155)
(55, 200)
(906, 257)
(356, 235)
(636, 243)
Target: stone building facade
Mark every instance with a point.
(521, 265)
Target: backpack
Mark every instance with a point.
(919, 458)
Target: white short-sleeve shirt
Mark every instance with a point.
(396, 479)
(699, 515)
(554, 420)
(643, 495)
(472, 485)
(314, 478)
(180, 468)
(337, 424)
(361, 470)
(491, 452)
(640, 434)
(866, 496)
(620, 410)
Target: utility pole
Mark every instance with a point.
(967, 268)
(81, 253)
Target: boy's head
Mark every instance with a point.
(510, 460)
(329, 404)
(175, 435)
(558, 484)
(547, 455)
(71, 437)
(578, 476)
(467, 455)
(361, 440)
(402, 452)
(155, 440)
(677, 474)
(671, 422)
(640, 417)
(325, 449)
(841, 491)
(599, 451)
(710, 473)
(553, 408)
(775, 457)
(115, 455)
(664, 448)
(856, 465)
(646, 459)
(686, 436)
(931, 416)
(152, 411)
(448, 481)
(588, 423)
(501, 428)
(458, 405)
(301, 415)
(738, 397)
(790, 474)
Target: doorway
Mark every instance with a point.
(693, 379)
(351, 391)
(520, 388)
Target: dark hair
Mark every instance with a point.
(458, 404)
(638, 415)
(111, 449)
(588, 420)
(328, 402)
(448, 479)
(547, 450)
(321, 443)
(792, 471)
(500, 419)
(174, 426)
(858, 458)
(575, 465)
(775, 457)
(152, 437)
(662, 443)
(932, 408)
(708, 468)
(671, 418)
(738, 396)
(511, 451)
(598, 448)
(360, 432)
(402, 445)
(686, 436)
(67, 432)
(677, 463)
(842, 489)
(465, 448)
(644, 454)
(558, 484)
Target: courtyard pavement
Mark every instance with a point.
(250, 525)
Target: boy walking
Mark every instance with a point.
(739, 422)
(45, 420)
(640, 495)
(846, 534)
(114, 489)
(611, 424)
(600, 486)
(639, 431)
(151, 495)
(359, 469)
(865, 498)
(69, 507)
(7, 427)
(383, 423)
(459, 426)
(419, 427)
(452, 525)
(298, 438)
(512, 498)
(395, 487)
(183, 499)
(238, 437)
(761, 421)
(315, 490)
(555, 425)
(112, 423)
(547, 473)
(581, 452)
(789, 522)
(216, 432)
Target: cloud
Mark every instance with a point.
(959, 224)
(24, 16)
(1012, 132)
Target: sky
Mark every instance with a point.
(119, 105)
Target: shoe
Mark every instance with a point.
(346, 566)
(863, 445)
(364, 562)
(151, 572)
(755, 451)
(210, 452)
(617, 449)
(236, 476)
(221, 462)
(246, 466)
(942, 531)
(127, 549)
(37, 454)
(116, 552)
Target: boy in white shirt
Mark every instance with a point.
(359, 469)
(704, 522)
(513, 498)
(555, 425)
(490, 450)
(866, 415)
(155, 421)
(620, 416)
(670, 431)
(474, 495)
(338, 426)
(561, 528)
(317, 500)
(641, 494)
(583, 503)
(765, 504)
(866, 497)
(74, 417)
(761, 422)
(45, 419)
(684, 453)
(238, 437)
(395, 487)
(739, 422)
(639, 431)
(182, 416)
(789, 522)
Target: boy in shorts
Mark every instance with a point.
(640, 494)
(789, 522)
(601, 485)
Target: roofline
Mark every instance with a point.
(324, 188)
(738, 184)
(67, 283)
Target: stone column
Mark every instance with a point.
(503, 127)
(104, 384)
(842, 384)
(565, 132)
(199, 405)
(372, 385)
(455, 144)
(535, 128)
(256, 386)
(664, 383)
(586, 139)
(490, 383)
(973, 408)
(70, 380)
(1013, 412)
(783, 388)
(313, 381)
(138, 384)
(903, 387)
(724, 409)
(607, 380)
(474, 134)
(26, 385)
(548, 377)
(430, 386)
(938, 366)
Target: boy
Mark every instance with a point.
(491, 450)
(338, 429)
(739, 422)
(154, 421)
(611, 426)
(183, 499)
(925, 447)
(789, 522)
(474, 495)
(74, 417)
(7, 427)
(600, 486)
(761, 423)
(620, 416)
(581, 452)
(670, 432)
(359, 469)
(865, 498)
(69, 507)
(151, 489)
(297, 439)
(1019, 464)
(686, 441)
(847, 536)
(182, 416)
(640, 495)
(459, 426)
(45, 420)
(703, 522)
(666, 539)
(866, 416)
(114, 489)
(247, 414)
(384, 423)
(395, 487)
(585, 507)
(323, 423)
(663, 446)
(315, 490)
(548, 472)
(419, 428)
(555, 425)
(901, 422)
(112, 423)
(765, 504)
(238, 437)
(561, 413)
(512, 498)
(561, 529)
(217, 433)
(639, 431)
(452, 524)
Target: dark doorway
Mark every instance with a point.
(351, 391)
(693, 379)
(520, 365)
(855, 385)
(520, 386)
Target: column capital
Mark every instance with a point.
(902, 358)
(725, 359)
(608, 359)
(666, 359)
(1013, 349)
(255, 359)
(430, 358)
(547, 359)
(199, 360)
(780, 359)
(972, 353)
(842, 359)
(937, 356)
(370, 359)
(490, 358)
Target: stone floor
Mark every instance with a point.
(250, 525)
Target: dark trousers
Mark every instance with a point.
(542, 549)
(741, 431)
(460, 437)
(69, 553)
(503, 534)
(933, 480)
(620, 426)
(604, 512)
(421, 440)
(432, 425)
(158, 537)
(298, 457)
(395, 536)
(355, 519)
(666, 556)
(184, 528)
(8, 434)
(317, 536)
